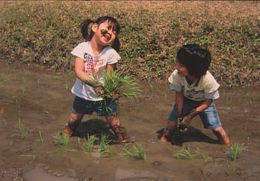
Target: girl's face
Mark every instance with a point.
(105, 33)
(182, 70)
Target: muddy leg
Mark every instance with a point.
(73, 122)
(116, 127)
(168, 131)
(221, 135)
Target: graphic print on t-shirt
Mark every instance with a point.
(92, 66)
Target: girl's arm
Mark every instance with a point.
(204, 105)
(111, 67)
(80, 70)
(80, 73)
(179, 102)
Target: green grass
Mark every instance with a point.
(45, 32)
(140, 150)
(61, 140)
(235, 150)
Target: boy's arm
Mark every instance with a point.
(179, 102)
(204, 105)
(187, 119)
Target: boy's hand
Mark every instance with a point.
(185, 122)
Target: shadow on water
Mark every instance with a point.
(190, 135)
(95, 127)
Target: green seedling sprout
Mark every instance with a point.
(21, 129)
(184, 153)
(62, 140)
(199, 153)
(90, 142)
(125, 151)
(41, 140)
(104, 143)
(140, 151)
(235, 150)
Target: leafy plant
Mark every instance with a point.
(140, 150)
(235, 150)
(61, 140)
(202, 155)
(126, 151)
(184, 153)
(89, 142)
(104, 143)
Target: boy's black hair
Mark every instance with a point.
(196, 59)
(100, 20)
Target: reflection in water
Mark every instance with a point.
(130, 174)
(38, 173)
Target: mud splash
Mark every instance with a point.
(41, 100)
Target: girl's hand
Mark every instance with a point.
(99, 89)
(114, 96)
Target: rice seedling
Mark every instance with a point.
(21, 129)
(61, 140)
(235, 150)
(104, 143)
(89, 142)
(107, 152)
(118, 84)
(184, 153)
(41, 140)
(199, 153)
(140, 151)
(126, 151)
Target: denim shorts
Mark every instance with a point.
(209, 117)
(102, 108)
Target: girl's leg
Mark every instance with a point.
(221, 135)
(115, 125)
(167, 132)
(74, 121)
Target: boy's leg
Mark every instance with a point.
(221, 135)
(116, 127)
(74, 121)
(167, 132)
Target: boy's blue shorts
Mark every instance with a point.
(102, 108)
(209, 117)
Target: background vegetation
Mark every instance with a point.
(44, 33)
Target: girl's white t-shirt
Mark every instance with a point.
(94, 67)
(206, 85)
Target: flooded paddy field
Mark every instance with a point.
(35, 105)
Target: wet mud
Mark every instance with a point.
(40, 101)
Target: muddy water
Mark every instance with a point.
(41, 101)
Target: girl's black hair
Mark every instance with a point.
(196, 59)
(100, 20)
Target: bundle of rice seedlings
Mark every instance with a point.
(118, 85)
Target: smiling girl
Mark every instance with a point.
(92, 58)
